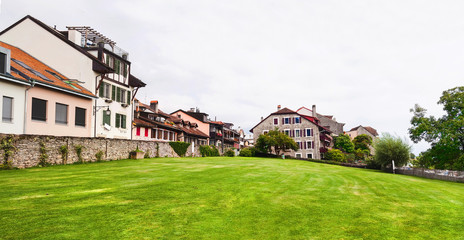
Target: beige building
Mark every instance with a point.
(312, 139)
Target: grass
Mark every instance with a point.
(225, 198)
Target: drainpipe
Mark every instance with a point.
(25, 105)
(94, 108)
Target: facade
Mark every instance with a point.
(84, 54)
(13, 92)
(52, 104)
(326, 121)
(192, 116)
(312, 138)
(354, 132)
(231, 137)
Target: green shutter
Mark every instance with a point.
(113, 92)
(118, 120)
(116, 66)
(106, 118)
(107, 59)
(118, 94)
(125, 70)
(128, 97)
(123, 121)
(100, 90)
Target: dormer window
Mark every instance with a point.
(4, 60)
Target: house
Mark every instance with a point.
(194, 116)
(356, 131)
(13, 92)
(326, 121)
(54, 104)
(153, 124)
(312, 138)
(231, 137)
(83, 53)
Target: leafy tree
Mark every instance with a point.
(388, 148)
(362, 142)
(335, 155)
(275, 141)
(445, 134)
(343, 142)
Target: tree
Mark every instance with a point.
(275, 141)
(343, 142)
(445, 134)
(388, 148)
(335, 155)
(362, 142)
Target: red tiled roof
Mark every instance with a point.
(21, 61)
(283, 111)
(217, 122)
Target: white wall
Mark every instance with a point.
(17, 92)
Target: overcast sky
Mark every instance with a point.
(365, 62)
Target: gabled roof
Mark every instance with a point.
(28, 68)
(98, 65)
(371, 130)
(283, 111)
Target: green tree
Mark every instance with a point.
(275, 141)
(445, 134)
(388, 148)
(362, 142)
(344, 143)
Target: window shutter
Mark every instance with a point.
(137, 131)
(113, 92)
(124, 69)
(100, 90)
(107, 59)
(128, 97)
(304, 132)
(293, 120)
(304, 145)
(123, 121)
(118, 120)
(118, 94)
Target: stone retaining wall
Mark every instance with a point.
(27, 151)
(447, 175)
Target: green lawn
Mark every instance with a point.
(225, 198)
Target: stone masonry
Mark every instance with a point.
(27, 151)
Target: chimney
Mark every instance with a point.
(278, 107)
(262, 118)
(75, 37)
(314, 111)
(154, 105)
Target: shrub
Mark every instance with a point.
(229, 153)
(246, 152)
(179, 147)
(78, 149)
(147, 154)
(335, 155)
(208, 151)
(64, 153)
(388, 148)
(8, 149)
(43, 155)
(99, 155)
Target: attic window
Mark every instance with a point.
(55, 75)
(2, 63)
(31, 70)
(71, 85)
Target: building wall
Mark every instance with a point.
(158, 136)
(49, 127)
(334, 126)
(17, 92)
(203, 127)
(268, 124)
(358, 132)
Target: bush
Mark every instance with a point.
(246, 152)
(388, 148)
(179, 147)
(209, 151)
(335, 155)
(229, 153)
(99, 155)
(64, 153)
(78, 149)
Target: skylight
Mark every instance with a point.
(31, 70)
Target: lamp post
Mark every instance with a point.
(95, 109)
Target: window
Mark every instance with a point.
(298, 155)
(299, 144)
(7, 110)
(165, 137)
(298, 120)
(2, 63)
(146, 132)
(104, 91)
(123, 95)
(31, 70)
(276, 121)
(287, 132)
(297, 133)
(80, 117)
(286, 120)
(309, 155)
(106, 118)
(309, 132)
(39, 109)
(61, 113)
(160, 134)
(153, 133)
(137, 131)
(120, 121)
(310, 144)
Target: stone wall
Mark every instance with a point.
(447, 175)
(27, 151)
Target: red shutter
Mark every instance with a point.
(146, 132)
(283, 121)
(304, 145)
(138, 131)
(293, 120)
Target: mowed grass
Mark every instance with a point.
(225, 198)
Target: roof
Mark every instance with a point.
(283, 111)
(98, 65)
(26, 67)
(135, 82)
(371, 130)
(217, 122)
